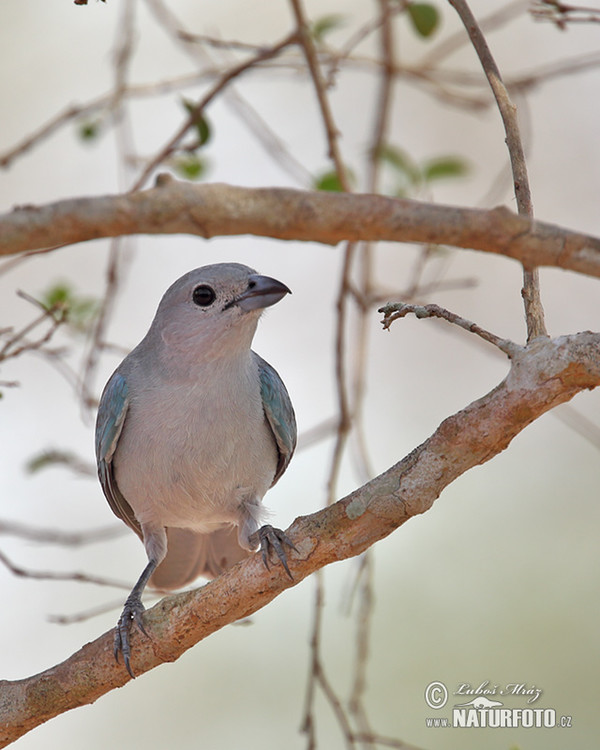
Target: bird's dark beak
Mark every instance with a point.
(262, 291)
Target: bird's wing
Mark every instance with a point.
(279, 413)
(109, 423)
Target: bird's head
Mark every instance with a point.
(215, 309)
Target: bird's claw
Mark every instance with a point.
(132, 613)
(269, 538)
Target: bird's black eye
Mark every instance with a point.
(203, 295)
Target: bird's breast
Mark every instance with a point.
(191, 453)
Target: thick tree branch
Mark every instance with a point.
(174, 207)
(542, 375)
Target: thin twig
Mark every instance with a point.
(367, 259)
(317, 674)
(366, 256)
(273, 145)
(59, 536)
(46, 575)
(101, 323)
(364, 620)
(398, 310)
(87, 614)
(308, 721)
(534, 312)
(332, 132)
(17, 343)
(224, 80)
(450, 44)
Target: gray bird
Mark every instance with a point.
(193, 428)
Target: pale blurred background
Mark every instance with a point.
(499, 581)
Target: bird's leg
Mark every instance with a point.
(269, 537)
(132, 613)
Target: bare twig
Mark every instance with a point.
(16, 342)
(398, 310)
(60, 536)
(450, 44)
(534, 312)
(87, 614)
(364, 619)
(100, 326)
(224, 80)
(273, 145)
(366, 261)
(47, 575)
(303, 35)
(563, 14)
(308, 722)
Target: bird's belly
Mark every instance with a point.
(195, 468)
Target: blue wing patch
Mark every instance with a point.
(279, 413)
(109, 423)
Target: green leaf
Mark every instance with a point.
(89, 130)
(79, 312)
(444, 166)
(40, 461)
(59, 295)
(401, 162)
(189, 166)
(425, 18)
(328, 181)
(331, 182)
(203, 128)
(322, 26)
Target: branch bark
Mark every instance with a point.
(208, 210)
(542, 375)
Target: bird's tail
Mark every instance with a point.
(191, 554)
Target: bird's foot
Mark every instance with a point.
(271, 538)
(132, 613)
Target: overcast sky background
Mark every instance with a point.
(499, 581)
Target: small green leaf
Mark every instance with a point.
(189, 166)
(401, 162)
(89, 130)
(331, 182)
(79, 312)
(59, 295)
(202, 125)
(38, 462)
(444, 166)
(328, 181)
(322, 26)
(425, 18)
(49, 458)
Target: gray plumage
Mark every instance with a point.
(193, 428)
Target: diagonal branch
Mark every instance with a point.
(174, 207)
(542, 375)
